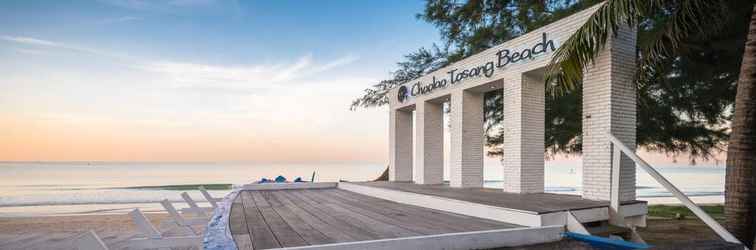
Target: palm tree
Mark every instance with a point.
(740, 183)
(687, 17)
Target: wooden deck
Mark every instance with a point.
(538, 203)
(267, 219)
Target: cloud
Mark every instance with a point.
(181, 7)
(243, 75)
(211, 79)
(122, 19)
(30, 51)
(30, 41)
(191, 2)
(159, 4)
(338, 62)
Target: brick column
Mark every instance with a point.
(524, 105)
(429, 143)
(400, 145)
(609, 103)
(466, 157)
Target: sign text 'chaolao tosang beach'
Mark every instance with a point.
(503, 58)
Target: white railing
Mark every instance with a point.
(618, 148)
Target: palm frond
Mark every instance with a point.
(688, 16)
(566, 69)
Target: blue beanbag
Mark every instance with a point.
(280, 179)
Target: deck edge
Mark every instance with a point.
(288, 186)
(218, 236)
(510, 237)
(519, 217)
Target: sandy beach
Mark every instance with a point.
(57, 232)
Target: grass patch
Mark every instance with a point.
(186, 187)
(716, 211)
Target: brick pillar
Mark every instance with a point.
(609, 102)
(429, 143)
(400, 145)
(466, 156)
(524, 105)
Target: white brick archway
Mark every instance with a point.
(516, 68)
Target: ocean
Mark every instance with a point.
(64, 188)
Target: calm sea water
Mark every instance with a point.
(82, 188)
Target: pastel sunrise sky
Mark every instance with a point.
(200, 80)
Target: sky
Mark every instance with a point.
(198, 80)
(203, 80)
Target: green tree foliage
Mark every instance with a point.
(686, 88)
(684, 98)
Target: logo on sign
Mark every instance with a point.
(402, 94)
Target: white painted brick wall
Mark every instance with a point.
(466, 159)
(400, 145)
(611, 107)
(524, 111)
(429, 143)
(609, 103)
(460, 175)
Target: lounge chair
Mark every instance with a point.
(213, 201)
(184, 224)
(89, 241)
(152, 237)
(193, 207)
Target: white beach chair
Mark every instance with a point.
(194, 207)
(184, 224)
(213, 201)
(89, 241)
(152, 237)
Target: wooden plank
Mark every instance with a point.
(537, 202)
(262, 236)
(237, 222)
(520, 238)
(328, 228)
(307, 232)
(452, 205)
(342, 224)
(384, 229)
(381, 212)
(286, 236)
(419, 216)
(243, 241)
(435, 218)
(238, 225)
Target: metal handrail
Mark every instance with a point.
(713, 224)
